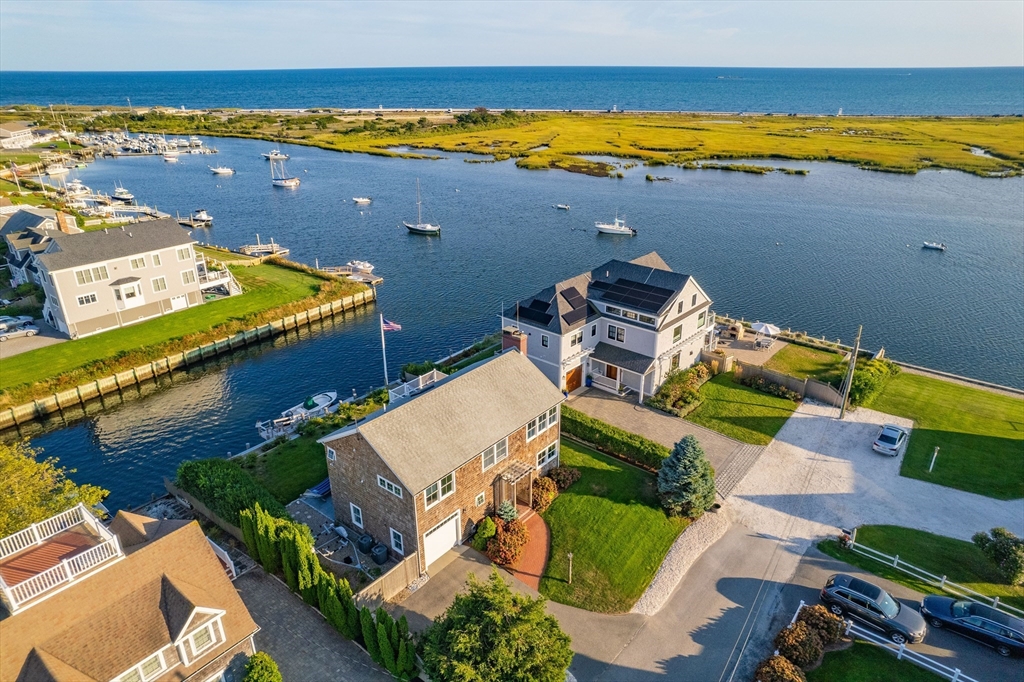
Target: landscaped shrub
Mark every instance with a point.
(870, 377)
(369, 632)
(612, 439)
(544, 493)
(261, 668)
(507, 511)
(800, 644)
(679, 389)
(418, 368)
(484, 532)
(1006, 551)
(508, 542)
(564, 476)
(778, 669)
(686, 482)
(827, 625)
(770, 387)
(225, 488)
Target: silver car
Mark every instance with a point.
(15, 332)
(8, 322)
(891, 440)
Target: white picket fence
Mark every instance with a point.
(900, 650)
(939, 581)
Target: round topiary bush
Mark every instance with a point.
(484, 532)
(778, 669)
(827, 625)
(800, 644)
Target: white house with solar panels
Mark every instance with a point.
(626, 325)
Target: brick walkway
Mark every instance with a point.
(305, 647)
(535, 554)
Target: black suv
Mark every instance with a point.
(869, 603)
(982, 623)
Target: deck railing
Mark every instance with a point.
(64, 572)
(37, 532)
(605, 382)
(417, 385)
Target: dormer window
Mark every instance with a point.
(145, 671)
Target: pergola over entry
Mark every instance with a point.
(516, 483)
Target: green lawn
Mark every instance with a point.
(865, 662)
(291, 468)
(266, 286)
(612, 523)
(802, 362)
(960, 561)
(980, 434)
(740, 412)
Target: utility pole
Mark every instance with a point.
(849, 374)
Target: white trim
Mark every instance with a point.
(481, 499)
(331, 454)
(137, 668)
(131, 262)
(549, 453)
(352, 509)
(441, 494)
(401, 541)
(188, 256)
(392, 488)
(192, 273)
(79, 298)
(494, 447)
(152, 283)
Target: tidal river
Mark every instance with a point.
(821, 253)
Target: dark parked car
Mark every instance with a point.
(991, 627)
(869, 603)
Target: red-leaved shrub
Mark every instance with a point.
(506, 546)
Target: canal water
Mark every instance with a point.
(821, 253)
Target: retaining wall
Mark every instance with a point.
(41, 407)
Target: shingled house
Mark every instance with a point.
(420, 475)
(144, 600)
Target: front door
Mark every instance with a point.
(574, 379)
(611, 371)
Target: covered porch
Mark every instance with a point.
(618, 370)
(515, 484)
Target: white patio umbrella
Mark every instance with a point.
(765, 328)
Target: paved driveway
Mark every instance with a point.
(47, 336)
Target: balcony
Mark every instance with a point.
(417, 385)
(47, 556)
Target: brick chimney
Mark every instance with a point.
(513, 338)
(65, 222)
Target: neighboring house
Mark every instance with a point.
(625, 324)
(114, 277)
(421, 474)
(144, 600)
(16, 135)
(27, 232)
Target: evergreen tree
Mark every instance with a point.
(261, 668)
(407, 659)
(248, 524)
(309, 570)
(266, 540)
(289, 555)
(369, 631)
(686, 482)
(387, 653)
(403, 651)
(351, 618)
(403, 628)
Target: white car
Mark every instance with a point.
(891, 440)
(15, 332)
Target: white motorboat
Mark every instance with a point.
(76, 188)
(278, 178)
(199, 218)
(313, 406)
(172, 158)
(934, 245)
(360, 266)
(121, 194)
(421, 227)
(221, 170)
(362, 200)
(171, 153)
(562, 207)
(617, 227)
(275, 155)
(56, 169)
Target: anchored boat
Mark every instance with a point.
(617, 227)
(275, 155)
(934, 245)
(313, 406)
(121, 194)
(278, 177)
(562, 207)
(421, 227)
(361, 200)
(221, 170)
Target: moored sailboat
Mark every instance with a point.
(421, 227)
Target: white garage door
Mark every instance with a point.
(441, 538)
(179, 302)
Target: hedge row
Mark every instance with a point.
(226, 488)
(612, 439)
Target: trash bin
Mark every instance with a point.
(379, 554)
(365, 543)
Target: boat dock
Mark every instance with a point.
(260, 250)
(349, 272)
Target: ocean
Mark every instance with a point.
(902, 92)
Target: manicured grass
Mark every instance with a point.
(802, 362)
(266, 286)
(612, 523)
(865, 662)
(960, 561)
(477, 357)
(740, 412)
(291, 468)
(980, 434)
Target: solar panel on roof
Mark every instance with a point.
(573, 297)
(574, 316)
(540, 305)
(534, 315)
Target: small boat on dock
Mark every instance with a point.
(199, 218)
(57, 169)
(278, 178)
(221, 170)
(935, 246)
(562, 207)
(259, 249)
(617, 227)
(313, 406)
(76, 188)
(421, 227)
(355, 270)
(275, 155)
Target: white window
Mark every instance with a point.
(677, 334)
(700, 320)
(184, 253)
(593, 330)
(202, 639)
(156, 260)
(188, 276)
(137, 263)
(436, 492)
(647, 319)
(544, 340)
(145, 671)
(396, 541)
(159, 284)
(357, 515)
(630, 314)
(86, 299)
(389, 486)
(616, 333)
(90, 275)
(613, 311)
(331, 454)
(53, 283)
(576, 339)
(694, 301)
(480, 499)
(548, 454)
(541, 424)
(495, 453)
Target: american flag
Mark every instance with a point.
(390, 326)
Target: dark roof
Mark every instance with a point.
(620, 357)
(28, 217)
(125, 280)
(74, 250)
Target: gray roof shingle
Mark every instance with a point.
(27, 218)
(76, 250)
(621, 357)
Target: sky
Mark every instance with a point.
(155, 35)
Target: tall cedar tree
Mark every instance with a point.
(289, 555)
(387, 653)
(498, 635)
(686, 482)
(266, 540)
(369, 631)
(247, 521)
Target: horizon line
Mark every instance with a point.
(513, 66)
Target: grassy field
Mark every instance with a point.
(562, 140)
(802, 362)
(291, 468)
(865, 662)
(740, 412)
(980, 434)
(612, 523)
(958, 560)
(267, 287)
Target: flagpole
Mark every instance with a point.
(383, 350)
